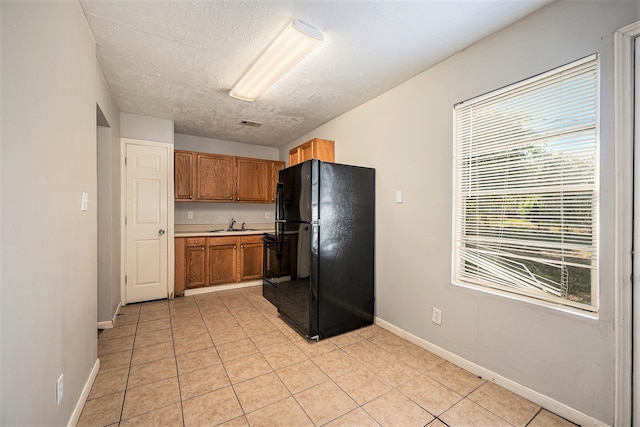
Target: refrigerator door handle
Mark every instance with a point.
(279, 219)
(279, 239)
(268, 262)
(279, 201)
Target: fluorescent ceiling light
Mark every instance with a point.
(296, 42)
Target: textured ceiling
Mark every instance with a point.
(178, 60)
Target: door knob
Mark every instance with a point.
(161, 231)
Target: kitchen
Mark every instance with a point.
(567, 358)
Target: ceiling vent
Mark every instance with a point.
(251, 123)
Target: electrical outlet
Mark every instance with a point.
(59, 389)
(267, 215)
(189, 215)
(436, 316)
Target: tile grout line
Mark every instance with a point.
(131, 366)
(221, 362)
(126, 385)
(236, 302)
(175, 358)
(534, 417)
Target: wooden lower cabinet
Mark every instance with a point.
(223, 260)
(208, 261)
(195, 263)
(180, 252)
(250, 265)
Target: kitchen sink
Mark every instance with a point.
(229, 230)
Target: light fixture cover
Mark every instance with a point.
(295, 42)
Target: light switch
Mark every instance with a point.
(189, 215)
(84, 203)
(398, 196)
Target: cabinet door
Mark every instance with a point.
(253, 180)
(250, 257)
(294, 156)
(223, 260)
(180, 246)
(215, 177)
(323, 149)
(275, 167)
(195, 264)
(306, 151)
(184, 175)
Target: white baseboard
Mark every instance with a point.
(218, 288)
(115, 315)
(108, 324)
(75, 415)
(540, 399)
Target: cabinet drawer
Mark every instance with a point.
(255, 238)
(196, 241)
(215, 241)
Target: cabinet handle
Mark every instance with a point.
(231, 198)
(238, 198)
(234, 247)
(191, 197)
(242, 246)
(203, 248)
(196, 242)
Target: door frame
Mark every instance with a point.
(123, 211)
(624, 40)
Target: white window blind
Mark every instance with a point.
(526, 187)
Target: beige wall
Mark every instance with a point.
(48, 259)
(108, 200)
(406, 134)
(146, 128)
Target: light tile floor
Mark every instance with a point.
(226, 358)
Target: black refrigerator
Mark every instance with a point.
(319, 263)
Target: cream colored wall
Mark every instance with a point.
(48, 258)
(109, 203)
(146, 128)
(220, 146)
(406, 134)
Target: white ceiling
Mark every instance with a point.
(178, 60)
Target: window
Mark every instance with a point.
(526, 188)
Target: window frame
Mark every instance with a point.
(589, 310)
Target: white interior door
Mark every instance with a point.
(147, 213)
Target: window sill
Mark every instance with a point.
(530, 300)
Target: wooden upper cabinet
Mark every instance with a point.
(253, 180)
(215, 177)
(274, 167)
(306, 151)
(184, 176)
(207, 177)
(321, 149)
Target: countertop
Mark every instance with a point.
(195, 230)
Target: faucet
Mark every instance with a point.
(233, 221)
(243, 224)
